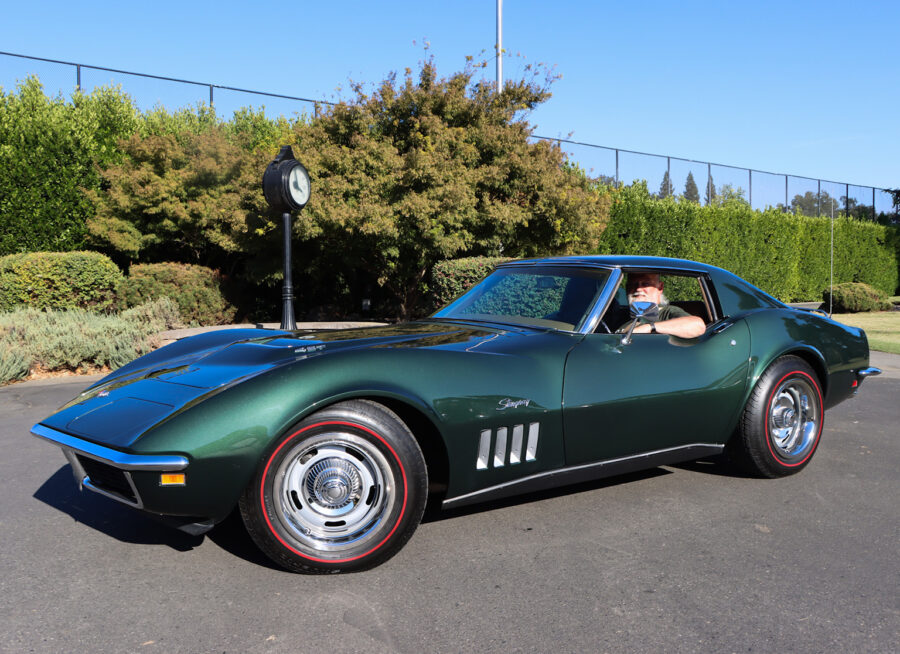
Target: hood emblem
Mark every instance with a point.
(103, 394)
(507, 403)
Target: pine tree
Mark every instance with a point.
(690, 189)
(666, 189)
(710, 191)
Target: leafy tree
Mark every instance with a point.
(425, 169)
(690, 189)
(710, 196)
(416, 171)
(49, 152)
(666, 189)
(191, 198)
(813, 204)
(729, 193)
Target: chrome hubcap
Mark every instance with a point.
(794, 418)
(333, 493)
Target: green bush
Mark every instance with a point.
(854, 297)
(50, 150)
(59, 280)
(78, 339)
(453, 277)
(195, 289)
(785, 255)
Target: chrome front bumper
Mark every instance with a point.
(77, 449)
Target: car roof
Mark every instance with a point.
(615, 261)
(735, 294)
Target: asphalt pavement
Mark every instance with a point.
(691, 558)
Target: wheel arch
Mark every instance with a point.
(807, 353)
(415, 415)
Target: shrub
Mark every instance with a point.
(195, 289)
(854, 297)
(453, 277)
(59, 280)
(77, 339)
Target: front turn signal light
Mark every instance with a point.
(172, 479)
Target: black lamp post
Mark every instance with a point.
(286, 187)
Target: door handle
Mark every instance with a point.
(722, 327)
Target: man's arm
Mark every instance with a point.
(684, 327)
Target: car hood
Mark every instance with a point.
(119, 408)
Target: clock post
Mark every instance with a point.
(286, 188)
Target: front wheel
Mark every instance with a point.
(343, 490)
(782, 422)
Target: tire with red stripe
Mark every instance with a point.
(341, 491)
(782, 423)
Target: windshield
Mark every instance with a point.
(555, 297)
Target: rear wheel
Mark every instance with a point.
(343, 490)
(782, 422)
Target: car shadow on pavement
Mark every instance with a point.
(434, 512)
(232, 537)
(713, 466)
(108, 516)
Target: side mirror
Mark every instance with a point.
(649, 310)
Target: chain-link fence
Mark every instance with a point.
(701, 181)
(706, 183)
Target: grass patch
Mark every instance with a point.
(47, 341)
(882, 328)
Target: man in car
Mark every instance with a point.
(648, 287)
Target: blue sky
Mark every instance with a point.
(805, 88)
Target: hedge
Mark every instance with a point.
(195, 289)
(783, 254)
(59, 280)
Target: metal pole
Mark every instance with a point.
(874, 215)
(750, 173)
(287, 291)
(785, 192)
(617, 169)
(210, 95)
(499, 45)
(669, 172)
(708, 184)
(847, 199)
(819, 199)
(831, 290)
(78, 77)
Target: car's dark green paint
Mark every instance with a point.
(223, 399)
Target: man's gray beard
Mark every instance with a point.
(663, 300)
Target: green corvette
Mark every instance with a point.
(548, 372)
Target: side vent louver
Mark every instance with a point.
(500, 442)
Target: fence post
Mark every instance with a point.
(77, 77)
(750, 174)
(785, 193)
(210, 95)
(847, 199)
(819, 199)
(708, 183)
(617, 168)
(874, 215)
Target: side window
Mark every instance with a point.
(683, 291)
(687, 293)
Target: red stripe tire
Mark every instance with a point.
(341, 491)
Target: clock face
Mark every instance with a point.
(298, 183)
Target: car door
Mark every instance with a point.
(657, 392)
